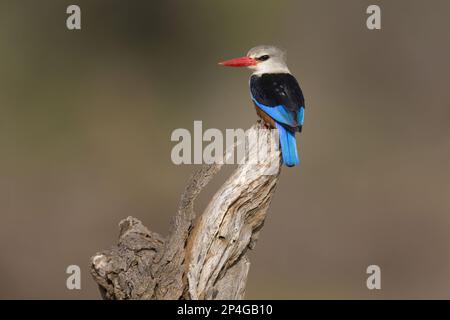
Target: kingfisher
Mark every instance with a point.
(276, 94)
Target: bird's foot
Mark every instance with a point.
(263, 124)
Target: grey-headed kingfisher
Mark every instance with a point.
(276, 94)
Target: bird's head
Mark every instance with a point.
(261, 59)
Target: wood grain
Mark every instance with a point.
(203, 258)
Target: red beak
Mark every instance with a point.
(239, 62)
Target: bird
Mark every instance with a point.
(276, 95)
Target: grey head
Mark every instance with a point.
(270, 60)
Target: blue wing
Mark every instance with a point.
(281, 115)
(278, 113)
(301, 116)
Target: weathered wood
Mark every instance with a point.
(204, 258)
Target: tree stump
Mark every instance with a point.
(203, 258)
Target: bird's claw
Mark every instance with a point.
(262, 123)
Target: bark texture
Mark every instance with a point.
(203, 257)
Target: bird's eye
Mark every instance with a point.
(263, 58)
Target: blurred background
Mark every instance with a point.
(86, 118)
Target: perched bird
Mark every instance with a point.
(276, 94)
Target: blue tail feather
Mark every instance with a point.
(288, 146)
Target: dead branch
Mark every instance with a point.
(203, 258)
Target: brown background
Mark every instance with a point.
(86, 119)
